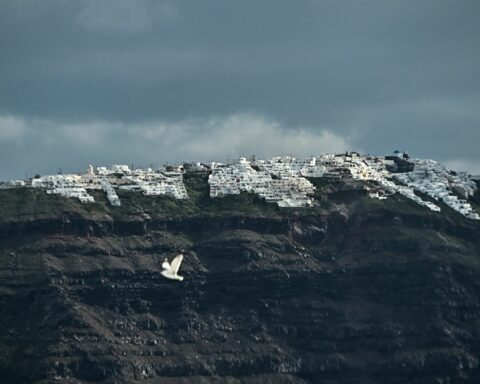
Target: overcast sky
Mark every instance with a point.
(151, 81)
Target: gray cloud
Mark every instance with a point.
(380, 74)
(102, 142)
(124, 17)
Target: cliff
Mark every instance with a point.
(354, 290)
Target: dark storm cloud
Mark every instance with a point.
(376, 74)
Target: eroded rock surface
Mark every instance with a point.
(358, 291)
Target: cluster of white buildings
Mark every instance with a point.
(289, 166)
(284, 180)
(372, 168)
(281, 180)
(154, 183)
(282, 185)
(436, 181)
(112, 196)
(148, 182)
(65, 185)
(391, 188)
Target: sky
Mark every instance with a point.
(154, 81)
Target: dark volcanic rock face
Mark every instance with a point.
(359, 291)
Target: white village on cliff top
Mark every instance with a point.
(280, 180)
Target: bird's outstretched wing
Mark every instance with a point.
(166, 265)
(175, 264)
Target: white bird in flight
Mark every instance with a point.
(170, 269)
